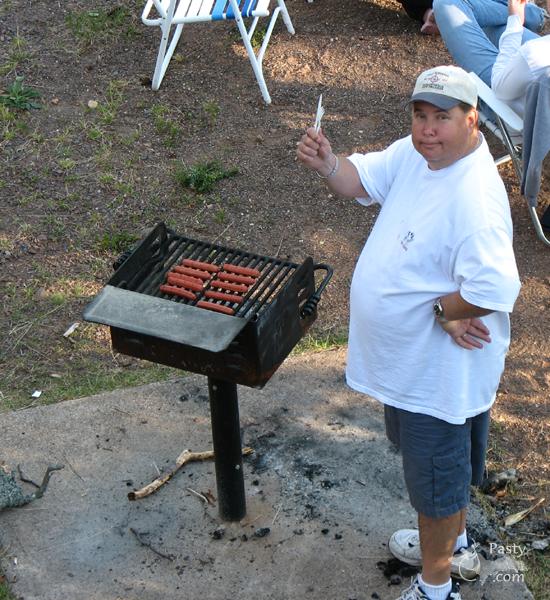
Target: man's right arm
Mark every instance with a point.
(340, 175)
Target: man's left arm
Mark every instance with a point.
(461, 320)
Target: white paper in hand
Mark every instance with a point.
(319, 115)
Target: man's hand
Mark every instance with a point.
(517, 7)
(314, 152)
(467, 332)
(429, 27)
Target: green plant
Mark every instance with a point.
(202, 176)
(113, 99)
(211, 108)
(20, 96)
(16, 54)
(219, 215)
(117, 241)
(166, 126)
(258, 38)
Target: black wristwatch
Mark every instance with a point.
(438, 311)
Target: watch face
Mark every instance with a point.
(438, 309)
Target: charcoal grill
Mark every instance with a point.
(244, 348)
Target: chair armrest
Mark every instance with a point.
(147, 9)
(498, 106)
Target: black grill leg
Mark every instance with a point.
(226, 436)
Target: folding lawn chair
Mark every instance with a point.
(507, 126)
(181, 12)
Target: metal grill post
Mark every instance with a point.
(226, 437)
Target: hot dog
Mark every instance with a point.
(197, 264)
(233, 287)
(177, 291)
(222, 296)
(192, 272)
(241, 270)
(218, 307)
(236, 278)
(183, 281)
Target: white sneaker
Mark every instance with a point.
(405, 545)
(415, 592)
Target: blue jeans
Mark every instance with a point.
(471, 30)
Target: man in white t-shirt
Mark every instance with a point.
(430, 297)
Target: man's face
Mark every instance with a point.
(443, 136)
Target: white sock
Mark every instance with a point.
(461, 541)
(435, 592)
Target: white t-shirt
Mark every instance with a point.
(517, 65)
(437, 232)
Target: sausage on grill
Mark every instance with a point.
(197, 264)
(192, 272)
(233, 287)
(217, 307)
(224, 297)
(236, 278)
(183, 281)
(177, 291)
(241, 270)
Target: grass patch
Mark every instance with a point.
(5, 593)
(211, 111)
(92, 25)
(117, 241)
(202, 177)
(313, 342)
(20, 96)
(166, 126)
(87, 379)
(114, 97)
(537, 574)
(17, 53)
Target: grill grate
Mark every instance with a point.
(167, 250)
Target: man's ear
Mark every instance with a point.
(472, 119)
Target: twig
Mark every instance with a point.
(222, 232)
(185, 457)
(198, 494)
(73, 469)
(149, 545)
(276, 514)
(26, 479)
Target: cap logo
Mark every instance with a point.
(435, 81)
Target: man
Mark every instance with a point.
(430, 298)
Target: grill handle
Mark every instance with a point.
(310, 304)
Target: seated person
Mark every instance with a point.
(471, 30)
(517, 65)
(473, 39)
(496, 14)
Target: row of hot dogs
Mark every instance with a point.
(227, 283)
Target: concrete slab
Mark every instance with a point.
(323, 480)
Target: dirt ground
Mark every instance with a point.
(79, 182)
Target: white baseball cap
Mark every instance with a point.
(445, 87)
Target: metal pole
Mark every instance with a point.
(226, 437)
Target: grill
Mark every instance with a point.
(236, 334)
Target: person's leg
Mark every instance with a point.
(534, 15)
(463, 35)
(437, 541)
(471, 30)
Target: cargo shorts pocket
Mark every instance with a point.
(452, 476)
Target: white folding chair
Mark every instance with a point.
(507, 126)
(178, 13)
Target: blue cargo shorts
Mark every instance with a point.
(440, 460)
